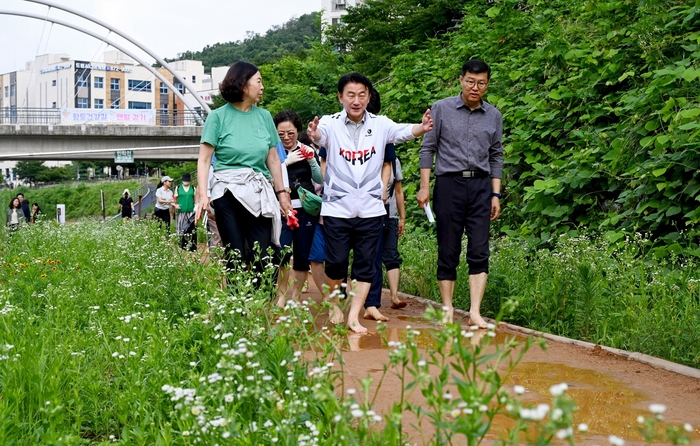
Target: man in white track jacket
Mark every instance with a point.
(353, 210)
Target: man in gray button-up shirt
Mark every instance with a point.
(466, 146)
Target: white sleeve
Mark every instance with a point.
(397, 132)
(324, 127)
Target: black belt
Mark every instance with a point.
(467, 174)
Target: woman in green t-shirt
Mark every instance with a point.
(243, 137)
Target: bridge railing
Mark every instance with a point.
(45, 116)
(52, 116)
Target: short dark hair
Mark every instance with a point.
(236, 79)
(304, 139)
(289, 116)
(476, 66)
(356, 78)
(20, 193)
(374, 105)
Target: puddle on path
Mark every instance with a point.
(604, 404)
(417, 319)
(424, 340)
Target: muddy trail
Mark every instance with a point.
(610, 388)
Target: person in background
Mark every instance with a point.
(244, 138)
(25, 207)
(126, 205)
(374, 296)
(185, 195)
(468, 152)
(15, 216)
(389, 255)
(36, 213)
(164, 201)
(303, 170)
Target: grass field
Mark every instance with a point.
(111, 334)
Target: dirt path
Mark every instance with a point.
(610, 391)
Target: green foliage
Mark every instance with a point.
(176, 169)
(294, 37)
(600, 103)
(29, 170)
(375, 31)
(91, 327)
(307, 85)
(37, 172)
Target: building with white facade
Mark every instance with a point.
(116, 82)
(334, 10)
(57, 81)
(209, 87)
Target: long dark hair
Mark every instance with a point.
(12, 202)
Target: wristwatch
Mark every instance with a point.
(281, 191)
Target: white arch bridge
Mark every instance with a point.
(99, 142)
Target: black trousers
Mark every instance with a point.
(462, 205)
(361, 235)
(164, 216)
(188, 239)
(387, 254)
(245, 237)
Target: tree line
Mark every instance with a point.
(290, 39)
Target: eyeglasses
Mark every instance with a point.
(480, 84)
(289, 134)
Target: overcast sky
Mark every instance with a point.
(167, 27)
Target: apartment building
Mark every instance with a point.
(334, 10)
(116, 82)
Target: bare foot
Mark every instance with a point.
(476, 319)
(397, 304)
(335, 315)
(447, 315)
(281, 302)
(356, 327)
(372, 313)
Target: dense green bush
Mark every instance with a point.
(600, 105)
(600, 101)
